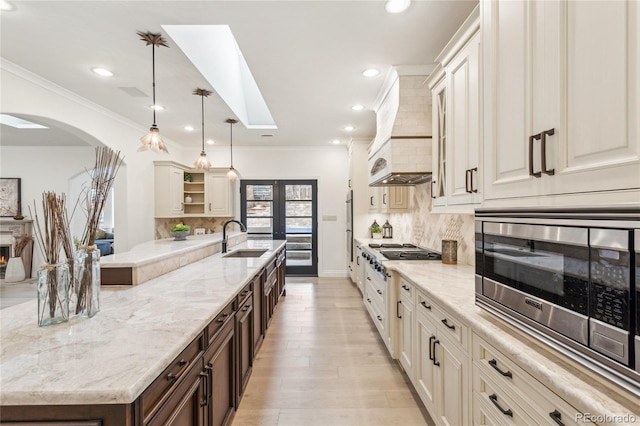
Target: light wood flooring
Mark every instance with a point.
(324, 363)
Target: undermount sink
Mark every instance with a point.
(246, 253)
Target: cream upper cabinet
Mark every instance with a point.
(394, 198)
(374, 199)
(561, 83)
(456, 113)
(220, 194)
(169, 189)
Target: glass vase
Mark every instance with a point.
(87, 281)
(53, 294)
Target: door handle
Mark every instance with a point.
(433, 191)
(531, 140)
(371, 201)
(431, 339)
(473, 171)
(209, 206)
(384, 199)
(467, 178)
(436, 363)
(398, 309)
(494, 398)
(205, 397)
(543, 153)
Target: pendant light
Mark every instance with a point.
(232, 174)
(152, 141)
(202, 163)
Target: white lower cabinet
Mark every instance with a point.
(460, 378)
(442, 364)
(503, 393)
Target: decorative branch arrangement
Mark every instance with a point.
(21, 242)
(86, 269)
(47, 232)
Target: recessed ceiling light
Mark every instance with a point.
(371, 72)
(349, 128)
(6, 6)
(210, 142)
(357, 107)
(189, 128)
(102, 72)
(19, 123)
(397, 6)
(157, 107)
(336, 142)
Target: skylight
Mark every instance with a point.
(19, 123)
(214, 52)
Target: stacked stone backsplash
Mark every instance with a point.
(210, 224)
(420, 226)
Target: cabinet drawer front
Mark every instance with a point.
(446, 324)
(163, 386)
(218, 322)
(540, 403)
(499, 403)
(407, 290)
(244, 293)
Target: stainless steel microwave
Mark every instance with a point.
(569, 277)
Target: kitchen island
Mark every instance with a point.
(112, 358)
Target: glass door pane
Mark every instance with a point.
(259, 210)
(299, 224)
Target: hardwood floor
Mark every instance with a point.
(324, 363)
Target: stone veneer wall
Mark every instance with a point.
(211, 224)
(421, 227)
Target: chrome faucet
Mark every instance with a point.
(224, 232)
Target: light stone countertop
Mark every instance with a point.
(453, 287)
(155, 250)
(113, 357)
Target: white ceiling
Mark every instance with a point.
(306, 57)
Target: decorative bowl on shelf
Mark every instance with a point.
(179, 235)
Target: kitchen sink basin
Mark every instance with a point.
(246, 253)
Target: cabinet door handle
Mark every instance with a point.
(556, 416)
(531, 140)
(182, 206)
(433, 191)
(436, 363)
(423, 303)
(494, 398)
(398, 309)
(379, 318)
(379, 292)
(209, 206)
(543, 153)
(473, 171)
(467, 179)
(494, 364)
(205, 397)
(431, 356)
(384, 199)
(358, 260)
(349, 183)
(449, 326)
(371, 201)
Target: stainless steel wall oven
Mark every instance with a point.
(568, 277)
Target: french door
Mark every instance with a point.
(284, 210)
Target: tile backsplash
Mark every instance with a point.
(210, 224)
(420, 226)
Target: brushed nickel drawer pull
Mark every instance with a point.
(494, 364)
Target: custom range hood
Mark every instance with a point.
(400, 154)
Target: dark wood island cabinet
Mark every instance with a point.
(203, 385)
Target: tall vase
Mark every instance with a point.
(87, 281)
(53, 294)
(15, 270)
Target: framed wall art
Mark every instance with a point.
(9, 197)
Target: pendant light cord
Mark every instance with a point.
(231, 140)
(202, 97)
(153, 68)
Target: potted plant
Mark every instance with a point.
(376, 231)
(188, 177)
(180, 231)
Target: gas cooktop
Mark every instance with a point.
(392, 245)
(419, 254)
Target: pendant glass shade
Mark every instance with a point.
(152, 141)
(232, 174)
(202, 163)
